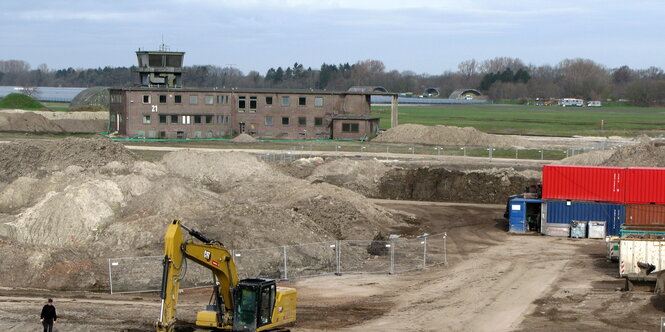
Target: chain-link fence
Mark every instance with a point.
(143, 274)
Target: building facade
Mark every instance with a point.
(173, 113)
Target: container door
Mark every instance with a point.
(517, 217)
(616, 214)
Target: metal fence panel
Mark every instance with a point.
(364, 256)
(312, 259)
(408, 254)
(261, 263)
(436, 250)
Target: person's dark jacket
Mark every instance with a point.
(48, 313)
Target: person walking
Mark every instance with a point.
(48, 316)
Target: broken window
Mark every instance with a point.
(116, 99)
(197, 119)
(318, 122)
(302, 101)
(162, 99)
(302, 121)
(146, 119)
(177, 99)
(285, 120)
(285, 101)
(350, 127)
(268, 120)
(318, 101)
(222, 99)
(208, 119)
(146, 99)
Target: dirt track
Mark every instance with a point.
(494, 281)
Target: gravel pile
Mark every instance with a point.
(447, 135)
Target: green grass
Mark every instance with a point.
(619, 119)
(21, 102)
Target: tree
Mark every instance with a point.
(583, 78)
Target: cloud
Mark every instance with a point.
(96, 16)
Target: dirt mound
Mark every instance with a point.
(27, 122)
(592, 158)
(447, 135)
(121, 209)
(34, 157)
(361, 176)
(438, 184)
(243, 138)
(647, 154)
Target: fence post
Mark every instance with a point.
(286, 274)
(339, 255)
(392, 258)
(425, 253)
(445, 249)
(110, 278)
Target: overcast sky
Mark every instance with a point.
(422, 36)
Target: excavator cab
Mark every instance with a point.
(254, 301)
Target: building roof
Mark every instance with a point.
(253, 90)
(368, 89)
(354, 117)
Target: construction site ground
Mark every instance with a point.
(494, 281)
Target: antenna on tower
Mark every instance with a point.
(163, 47)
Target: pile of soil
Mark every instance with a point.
(32, 157)
(71, 204)
(19, 101)
(15, 120)
(243, 138)
(27, 122)
(447, 135)
(438, 184)
(362, 176)
(645, 154)
(591, 158)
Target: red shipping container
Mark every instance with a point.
(645, 185)
(605, 184)
(645, 214)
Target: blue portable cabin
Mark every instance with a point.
(563, 212)
(523, 214)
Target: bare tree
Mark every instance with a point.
(583, 78)
(500, 64)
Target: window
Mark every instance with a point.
(285, 121)
(252, 102)
(350, 128)
(116, 99)
(318, 122)
(222, 119)
(177, 99)
(197, 119)
(146, 119)
(302, 121)
(146, 99)
(318, 101)
(285, 101)
(162, 99)
(208, 119)
(209, 100)
(174, 119)
(242, 103)
(193, 100)
(186, 119)
(268, 100)
(162, 119)
(302, 101)
(268, 120)
(222, 99)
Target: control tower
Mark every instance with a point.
(160, 69)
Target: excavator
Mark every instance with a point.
(246, 305)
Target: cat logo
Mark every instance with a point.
(206, 255)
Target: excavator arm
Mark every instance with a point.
(212, 255)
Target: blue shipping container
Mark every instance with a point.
(520, 210)
(563, 212)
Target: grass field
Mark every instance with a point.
(535, 120)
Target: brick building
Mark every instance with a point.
(161, 109)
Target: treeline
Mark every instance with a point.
(498, 78)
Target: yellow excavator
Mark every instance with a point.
(238, 305)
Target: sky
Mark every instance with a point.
(426, 37)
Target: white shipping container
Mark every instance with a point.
(632, 251)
